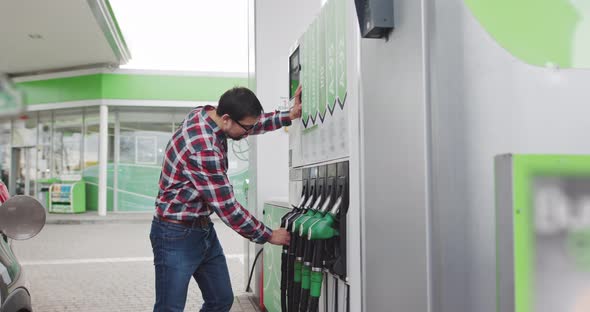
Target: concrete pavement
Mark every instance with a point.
(90, 263)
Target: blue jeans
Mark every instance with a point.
(181, 253)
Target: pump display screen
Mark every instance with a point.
(294, 73)
(561, 252)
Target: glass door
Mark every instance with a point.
(23, 175)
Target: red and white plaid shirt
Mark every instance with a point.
(194, 178)
(4, 195)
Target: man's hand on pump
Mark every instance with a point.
(295, 111)
(280, 237)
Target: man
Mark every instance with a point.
(194, 184)
(4, 195)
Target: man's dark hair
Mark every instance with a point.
(238, 103)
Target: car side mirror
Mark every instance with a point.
(22, 217)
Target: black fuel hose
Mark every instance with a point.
(285, 261)
(252, 270)
(297, 266)
(316, 277)
(284, 277)
(291, 269)
(306, 274)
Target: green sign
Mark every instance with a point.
(322, 65)
(330, 10)
(305, 95)
(313, 64)
(341, 51)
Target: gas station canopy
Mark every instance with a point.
(46, 36)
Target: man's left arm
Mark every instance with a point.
(276, 120)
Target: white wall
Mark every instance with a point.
(278, 25)
(485, 102)
(394, 142)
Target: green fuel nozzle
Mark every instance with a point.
(323, 228)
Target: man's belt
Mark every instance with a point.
(201, 221)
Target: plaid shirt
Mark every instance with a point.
(194, 178)
(4, 195)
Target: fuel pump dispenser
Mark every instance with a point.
(308, 245)
(338, 268)
(286, 270)
(295, 250)
(327, 231)
(318, 157)
(318, 244)
(301, 242)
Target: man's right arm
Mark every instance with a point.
(207, 175)
(276, 120)
(271, 121)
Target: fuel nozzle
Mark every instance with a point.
(323, 228)
(287, 219)
(303, 251)
(288, 252)
(308, 249)
(320, 231)
(301, 202)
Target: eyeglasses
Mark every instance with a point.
(247, 128)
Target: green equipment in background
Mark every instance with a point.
(44, 186)
(67, 197)
(542, 232)
(273, 212)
